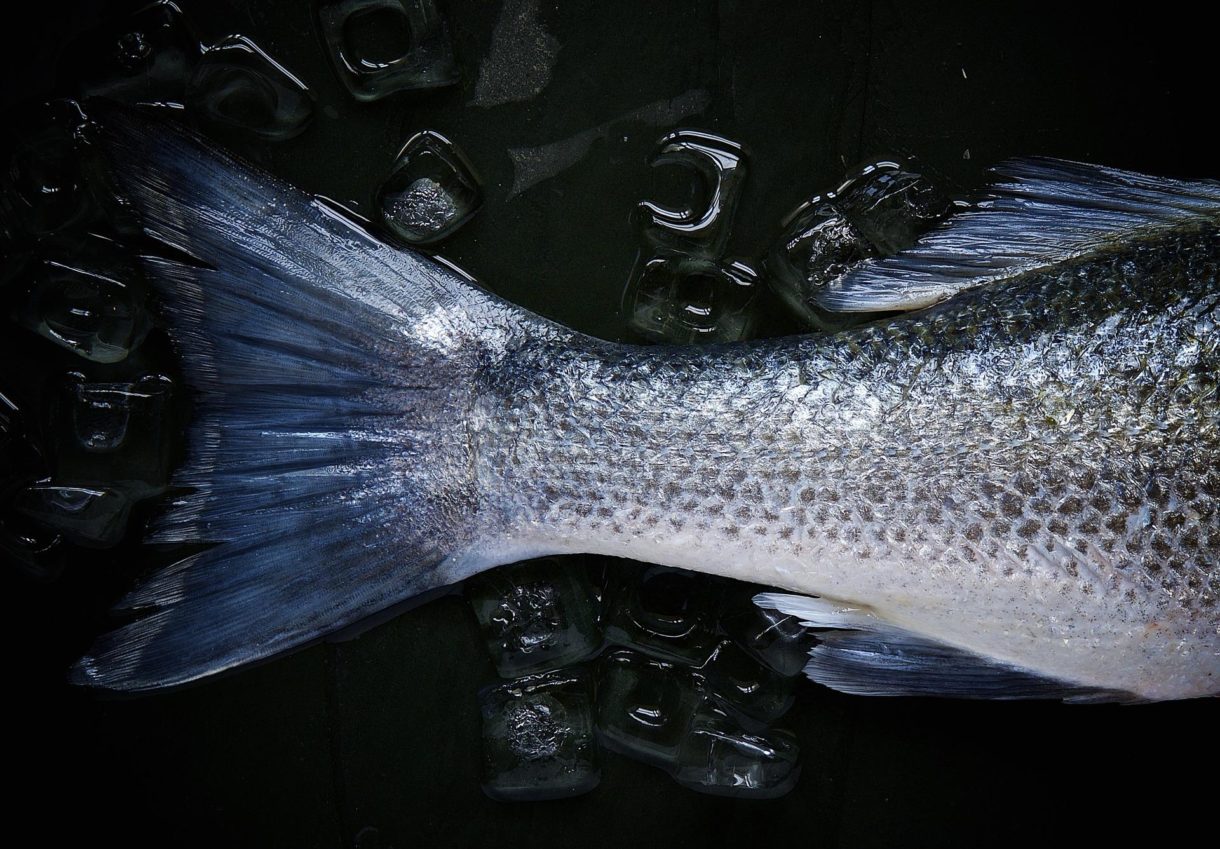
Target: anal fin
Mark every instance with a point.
(862, 654)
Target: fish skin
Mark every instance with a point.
(1029, 472)
(1023, 477)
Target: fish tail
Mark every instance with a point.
(328, 468)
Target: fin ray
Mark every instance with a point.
(1037, 213)
(865, 655)
(324, 460)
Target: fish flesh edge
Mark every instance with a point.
(1008, 490)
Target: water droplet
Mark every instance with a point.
(133, 50)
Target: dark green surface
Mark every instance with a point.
(382, 732)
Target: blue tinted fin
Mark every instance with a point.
(1036, 213)
(864, 655)
(327, 463)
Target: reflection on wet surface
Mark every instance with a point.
(376, 741)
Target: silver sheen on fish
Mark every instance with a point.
(1009, 489)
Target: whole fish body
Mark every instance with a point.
(1010, 492)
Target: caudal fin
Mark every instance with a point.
(329, 461)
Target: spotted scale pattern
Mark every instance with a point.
(1028, 472)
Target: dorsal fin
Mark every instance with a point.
(867, 656)
(1037, 212)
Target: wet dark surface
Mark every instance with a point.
(376, 741)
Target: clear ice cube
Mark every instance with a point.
(87, 297)
(235, 84)
(720, 757)
(644, 707)
(891, 206)
(537, 615)
(115, 432)
(818, 247)
(37, 551)
(430, 191)
(144, 57)
(379, 47)
(42, 187)
(700, 227)
(741, 684)
(775, 639)
(665, 613)
(879, 211)
(683, 299)
(538, 737)
(86, 515)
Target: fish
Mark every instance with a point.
(1003, 485)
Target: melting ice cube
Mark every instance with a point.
(879, 211)
(430, 192)
(644, 707)
(720, 757)
(86, 515)
(538, 739)
(379, 47)
(683, 299)
(536, 615)
(701, 227)
(235, 84)
(88, 297)
(115, 432)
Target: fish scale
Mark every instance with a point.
(1007, 490)
(1052, 438)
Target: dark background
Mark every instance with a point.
(382, 732)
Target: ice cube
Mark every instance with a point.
(115, 432)
(818, 247)
(87, 297)
(236, 84)
(90, 516)
(430, 191)
(741, 684)
(775, 639)
(665, 613)
(880, 210)
(892, 206)
(720, 757)
(42, 186)
(682, 299)
(379, 47)
(144, 57)
(538, 737)
(536, 615)
(644, 707)
(36, 551)
(700, 227)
